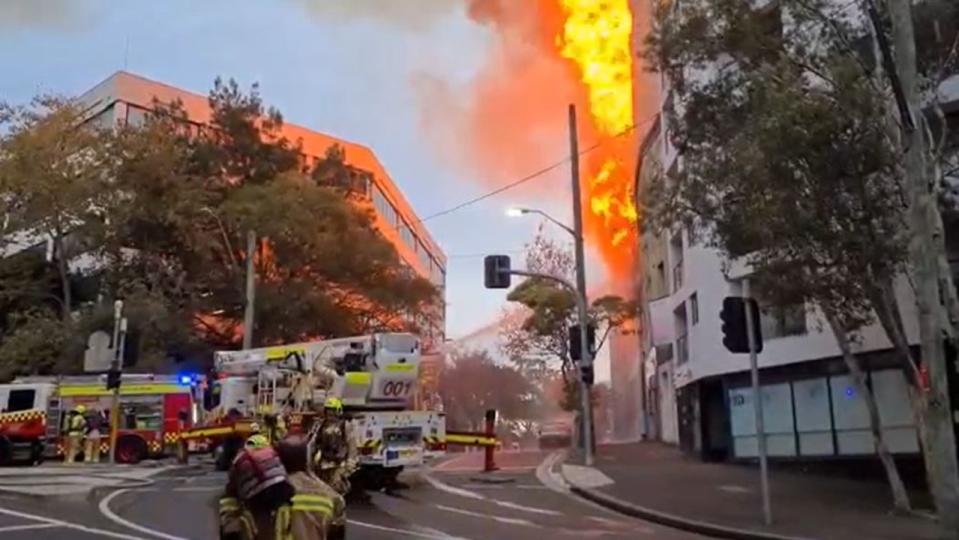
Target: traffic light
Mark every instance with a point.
(113, 379)
(733, 315)
(496, 271)
(586, 373)
(575, 347)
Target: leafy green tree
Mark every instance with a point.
(52, 167)
(165, 215)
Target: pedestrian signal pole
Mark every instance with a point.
(757, 401)
(115, 374)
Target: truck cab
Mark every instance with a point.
(23, 414)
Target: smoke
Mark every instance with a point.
(57, 14)
(510, 119)
(410, 14)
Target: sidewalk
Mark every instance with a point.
(659, 481)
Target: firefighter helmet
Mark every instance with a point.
(80, 409)
(257, 441)
(333, 403)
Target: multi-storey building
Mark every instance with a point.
(698, 393)
(127, 98)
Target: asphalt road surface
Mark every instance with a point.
(452, 502)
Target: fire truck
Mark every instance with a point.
(375, 376)
(154, 410)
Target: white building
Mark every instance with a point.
(699, 394)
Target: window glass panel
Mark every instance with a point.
(20, 400)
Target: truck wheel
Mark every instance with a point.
(6, 451)
(131, 449)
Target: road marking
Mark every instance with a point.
(507, 520)
(532, 509)
(28, 527)
(109, 514)
(68, 525)
(197, 488)
(478, 497)
(407, 532)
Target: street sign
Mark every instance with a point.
(99, 354)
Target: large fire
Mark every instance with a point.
(597, 37)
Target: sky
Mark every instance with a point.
(350, 68)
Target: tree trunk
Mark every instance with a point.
(63, 271)
(924, 250)
(900, 498)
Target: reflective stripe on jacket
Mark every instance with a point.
(76, 424)
(235, 521)
(307, 517)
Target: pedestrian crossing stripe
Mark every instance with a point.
(22, 416)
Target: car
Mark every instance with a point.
(555, 435)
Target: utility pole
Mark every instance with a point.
(758, 407)
(250, 290)
(119, 331)
(586, 356)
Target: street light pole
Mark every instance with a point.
(250, 290)
(586, 357)
(119, 329)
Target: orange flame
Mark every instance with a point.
(597, 38)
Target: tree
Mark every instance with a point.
(539, 345)
(788, 164)
(474, 383)
(163, 208)
(52, 169)
(323, 269)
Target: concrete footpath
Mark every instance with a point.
(657, 483)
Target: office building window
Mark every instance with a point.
(383, 206)
(694, 308)
(407, 236)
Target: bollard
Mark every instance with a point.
(489, 464)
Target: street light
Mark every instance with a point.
(582, 305)
(517, 212)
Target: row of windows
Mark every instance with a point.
(136, 116)
(385, 208)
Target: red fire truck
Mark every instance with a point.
(154, 409)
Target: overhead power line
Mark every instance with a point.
(532, 176)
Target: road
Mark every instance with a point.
(451, 502)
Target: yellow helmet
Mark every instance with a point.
(333, 403)
(257, 441)
(80, 409)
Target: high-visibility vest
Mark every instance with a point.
(306, 517)
(76, 425)
(256, 469)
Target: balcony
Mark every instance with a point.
(682, 349)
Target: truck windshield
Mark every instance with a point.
(398, 343)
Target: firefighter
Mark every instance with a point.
(333, 448)
(96, 424)
(76, 425)
(257, 489)
(315, 507)
(275, 427)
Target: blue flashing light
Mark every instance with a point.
(186, 379)
(850, 392)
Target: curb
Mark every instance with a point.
(674, 521)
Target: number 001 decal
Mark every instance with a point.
(397, 388)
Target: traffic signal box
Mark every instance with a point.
(733, 315)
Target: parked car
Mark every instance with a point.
(555, 435)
